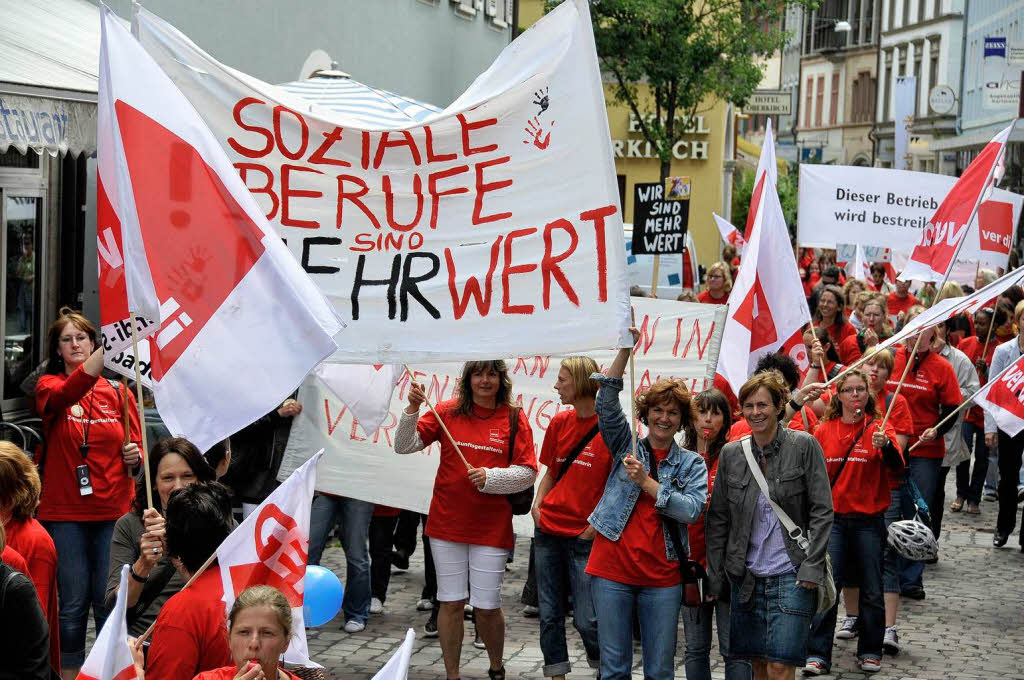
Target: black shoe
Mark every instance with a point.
(496, 675)
(399, 560)
(999, 540)
(430, 628)
(932, 560)
(913, 593)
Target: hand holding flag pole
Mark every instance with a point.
(412, 378)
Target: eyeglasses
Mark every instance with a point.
(853, 390)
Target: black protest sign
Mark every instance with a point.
(659, 224)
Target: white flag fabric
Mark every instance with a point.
(948, 227)
(234, 323)
(767, 173)
(730, 234)
(767, 306)
(1003, 398)
(397, 667)
(271, 547)
(366, 390)
(111, 656)
(859, 268)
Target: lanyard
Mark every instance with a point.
(87, 425)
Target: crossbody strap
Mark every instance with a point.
(832, 482)
(795, 532)
(513, 430)
(587, 438)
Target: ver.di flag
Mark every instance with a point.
(932, 258)
(233, 322)
(111, 656)
(271, 547)
(1003, 399)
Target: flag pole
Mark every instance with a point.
(142, 414)
(988, 336)
(821, 359)
(632, 403)
(654, 277)
(412, 378)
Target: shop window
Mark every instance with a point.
(12, 158)
(21, 246)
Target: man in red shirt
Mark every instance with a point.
(900, 301)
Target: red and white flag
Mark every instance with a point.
(767, 173)
(1003, 398)
(233, 322)
(271, 546)
(767, 308)
(948, 227)
(111, 656)
(365, 390)
(730, 234)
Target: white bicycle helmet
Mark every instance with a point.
(913, 539)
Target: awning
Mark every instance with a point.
(49, 73)
(978, 139)
(336, 91)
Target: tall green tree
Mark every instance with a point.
(686, 54)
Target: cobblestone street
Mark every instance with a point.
(971, 626)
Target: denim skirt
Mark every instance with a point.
(774, 624)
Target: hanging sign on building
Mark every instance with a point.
(1002, 63)
(52, 126)
(661, 214)
(769, 102)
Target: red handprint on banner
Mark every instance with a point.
(535, 133)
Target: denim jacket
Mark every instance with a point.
(682, 476)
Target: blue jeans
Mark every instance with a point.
(925, 473)
(697, 629)
(658, 609)
(891, 558)
(856, 543)
(968, 481)
(83, 563)
(354, 518)
(561, 560)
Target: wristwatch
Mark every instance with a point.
(136, 577)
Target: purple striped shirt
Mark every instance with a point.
(766, 552)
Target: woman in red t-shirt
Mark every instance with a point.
(19, 498)
(823, 359)
(876, 328)
(859, 455)
(719, 284)
(470, 520)
(566, 495)
(87, 472)
(829, 315)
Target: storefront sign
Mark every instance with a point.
(1002, 63)
(51, 126)
(941, 99)
(694, 150)
(770, 102)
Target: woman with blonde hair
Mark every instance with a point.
(578, 463)
(719, 284)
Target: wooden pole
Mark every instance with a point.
(142, 414)
(127, 421)
(412, 378)
(632, 402)
(899, 386)
(654, 278)
(821, 360)
(988, 336)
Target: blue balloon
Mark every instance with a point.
(323, 594)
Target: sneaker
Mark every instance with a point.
(424, 605)
(531, 612)
(915, 593)
(430, 628)
(891, 643)
(376, 606)
(815, 668)
(477, 641)
(353, 626)
(870, 665)
(990, 496)
(847, 628)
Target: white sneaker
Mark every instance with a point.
(353, 626)
(847, 628)
(891, 642)
(376, 606)
(424, 605)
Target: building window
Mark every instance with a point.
(864, 92)
(892, 15)
(918, 53)
(22, 235)
(819, 102)
(938, 7)
(906, 12)
(920, 10)
(808, 101)
(887, 88)
(833, 112)
(933, 69)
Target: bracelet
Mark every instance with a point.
(136, 577)
(795, 406)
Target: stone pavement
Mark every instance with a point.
(970, 627)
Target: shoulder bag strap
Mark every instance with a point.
(832, 482)
(513, 430)
(670, 525)
(577, 450)
(795, 532)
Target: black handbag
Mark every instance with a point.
(521, 501)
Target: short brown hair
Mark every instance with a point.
(769, 380)
(663, 392)
(264, 596)
(19, 482)
(580, 368)
(66, 315)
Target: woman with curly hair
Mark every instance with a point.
(639, 542)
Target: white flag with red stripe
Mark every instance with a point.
(1003, 398)
(729, 233)
(365, 390)
(767, 307)
(233, 322)
(948, 227)
(767, 173)
(271, 546)
(111, 656)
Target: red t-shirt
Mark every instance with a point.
(13, 559)
(705, 298)
(972, 347)
(228, 673)
(902, 422)
(566, 507)
(191, 633)
(932, 385)
(638, 558)
(895, 305)
(459, 512)
(849, 349)
(698, 534)
(741, 428)
(841, 331)
(386, 511)
(71, 406)
(33, 543)
(863, 485)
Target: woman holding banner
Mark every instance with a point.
(470, 519)
(654, 487)
(86, 472)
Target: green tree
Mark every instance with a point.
(743, 187)
(686, 54)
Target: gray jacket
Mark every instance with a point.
(967, 378)
(797, 481)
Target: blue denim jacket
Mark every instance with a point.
(682, 475)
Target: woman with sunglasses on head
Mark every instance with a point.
(860, 457)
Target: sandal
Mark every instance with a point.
(496, 675)
(973, 509)
(957, 505)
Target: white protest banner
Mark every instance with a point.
(890, 209)
(490, 228)
(678, 339)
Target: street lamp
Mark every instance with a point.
(842, 27)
